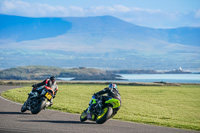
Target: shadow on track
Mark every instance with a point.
(14, 113)
(52, 121)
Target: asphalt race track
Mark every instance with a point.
(13, 121)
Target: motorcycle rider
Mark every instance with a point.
(48, 84)
(112, 92)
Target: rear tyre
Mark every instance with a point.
(83, 116)
(41, 105)
(105, 115)
(23, 108)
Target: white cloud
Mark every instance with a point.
(21, 8)
(121, 8)
(139, 16)
(150, 11)
(197, 14)
(7, 6)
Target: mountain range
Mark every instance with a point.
(99, 42)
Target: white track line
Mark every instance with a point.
(9, 100)
(22, 104)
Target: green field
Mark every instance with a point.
(171, 106)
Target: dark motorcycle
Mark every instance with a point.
(99, 111)
(38, 99)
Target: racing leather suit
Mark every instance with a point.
(48, 84)
(111, 93)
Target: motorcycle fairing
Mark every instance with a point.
(115, 102)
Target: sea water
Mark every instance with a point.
(172, 78)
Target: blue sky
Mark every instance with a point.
(148, 13)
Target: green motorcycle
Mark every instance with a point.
(99, 111)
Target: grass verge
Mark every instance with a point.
(171, 106)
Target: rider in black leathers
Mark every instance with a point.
(112, 92)
(48, 84)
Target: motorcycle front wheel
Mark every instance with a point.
(83, 116)
(23, 108)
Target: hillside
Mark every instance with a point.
(96, 42)
(43, 72)
(114, 27)
(17, 29)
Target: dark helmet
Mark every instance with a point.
(52, 78)
(112, 86)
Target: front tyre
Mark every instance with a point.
(83, 116)
(23, 108)
(41, 105)
(105, 115)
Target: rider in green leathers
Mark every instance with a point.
(112, 92)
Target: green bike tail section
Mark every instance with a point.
(114, 102)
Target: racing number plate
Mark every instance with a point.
(48, 96)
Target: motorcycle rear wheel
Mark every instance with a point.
(105, 115)
(41, 105)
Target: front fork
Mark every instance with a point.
(92, 112)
